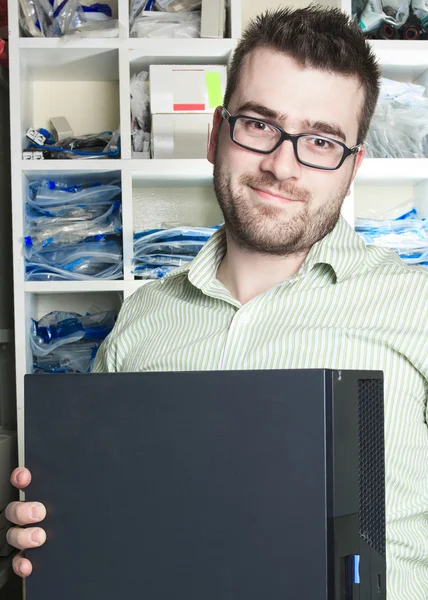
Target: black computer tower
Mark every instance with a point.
(234, 485)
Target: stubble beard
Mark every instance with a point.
(274, 230)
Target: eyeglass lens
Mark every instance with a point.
(314, 150)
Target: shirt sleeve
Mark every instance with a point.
(111, 355)
(105, 358)
(407, 529)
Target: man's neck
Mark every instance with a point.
(247, 274)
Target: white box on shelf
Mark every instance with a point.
(186, 88)
(181, 136)
(213, 18)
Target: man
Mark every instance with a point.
(287, 283)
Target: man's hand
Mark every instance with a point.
(24, 513)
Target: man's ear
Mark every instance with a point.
(217, 119)
(358, 161)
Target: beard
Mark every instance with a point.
(274, 230)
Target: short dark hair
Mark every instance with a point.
(316, 37)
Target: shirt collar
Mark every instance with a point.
(342, 249)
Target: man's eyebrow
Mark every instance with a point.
(325, 128)
(262, 110)
(321, 127)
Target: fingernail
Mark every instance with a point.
(36, 537)
(18, 568)
(36, 512)
(19, 476)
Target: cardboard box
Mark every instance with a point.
(186, 88)
(180, 136)
(213, 18)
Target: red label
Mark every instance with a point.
(189, 106)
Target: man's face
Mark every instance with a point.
(271, 203)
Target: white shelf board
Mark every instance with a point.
(59, 287)
(387, 171)
(65, 287)
(401, 52)
(69, 42)
(401, 58)
(197, 170)
(143, 52)
(71, 165)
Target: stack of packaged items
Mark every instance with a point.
(159, 251)
(165, 18)
(407, 235)
(73, 231)
(45, 145)
(140, 115)
(392, 19)
(56, 18)
(182, 102)
(178, 18)
(399, 128)
(67, 342)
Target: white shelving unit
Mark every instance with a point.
(88, 81)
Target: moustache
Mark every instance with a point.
(268, 182)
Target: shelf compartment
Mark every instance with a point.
(40, 304)
(81, 84)
(74, 178)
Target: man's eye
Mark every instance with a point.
(259, 125)
(321, 143)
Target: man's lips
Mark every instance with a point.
(265, 195)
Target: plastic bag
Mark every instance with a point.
(94, 270)
(177, 5)
(43, 18)
(148, 272)
(175, 234)
(399, 128)
(407, 236)
(102, 145)
(167, 25)
(164, 260)
(46, 18)
(82, 261)
(59, 327)
(46, 194)
(186, 248)
(140, 113)
(71, 358)
(158, 251)
(109, 251)
(55, 231)
(72, 213)
(67, 342)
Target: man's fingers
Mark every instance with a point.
(25, 513)
(32, 537)
(20, 478)
(22, 566)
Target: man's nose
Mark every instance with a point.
(282, 163)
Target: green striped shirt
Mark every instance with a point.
(350, 306)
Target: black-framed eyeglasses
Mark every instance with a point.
(311, 150)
